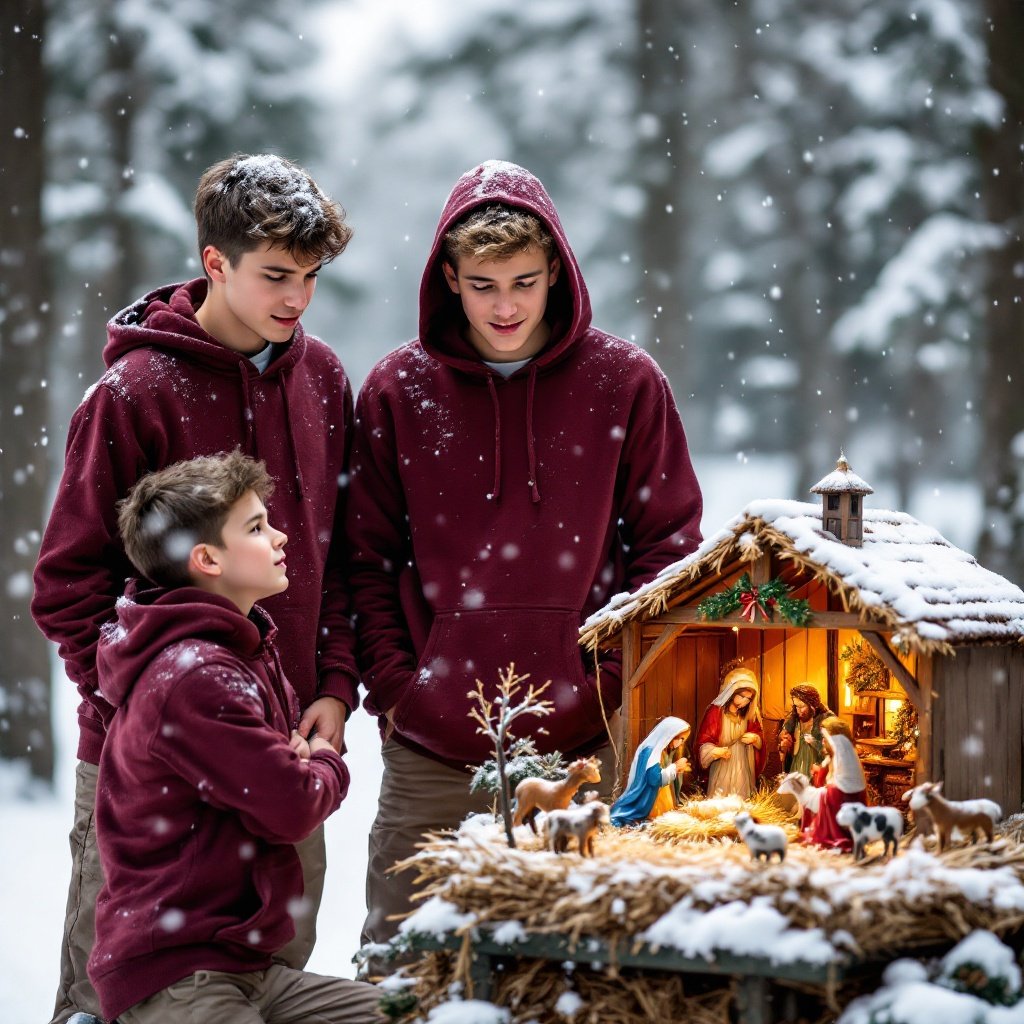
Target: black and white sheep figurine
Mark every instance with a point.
(868, 823)
(579, 820)
(968, 816)
(762, 840)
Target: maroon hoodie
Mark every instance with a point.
(172, 392)
(200, 798)
(488, 516)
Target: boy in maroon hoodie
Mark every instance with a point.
(512, 468)
(193, 369)
(205, 784)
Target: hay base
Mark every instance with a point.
(876, 910)
(530, 990)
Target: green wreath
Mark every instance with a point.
(765, 598)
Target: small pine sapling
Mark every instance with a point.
(494, 719)
(523, 762)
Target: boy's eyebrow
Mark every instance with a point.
(273, 268)
(254, 519)
(518, 277)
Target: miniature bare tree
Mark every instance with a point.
(495, 717)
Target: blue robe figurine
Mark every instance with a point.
(648, 777)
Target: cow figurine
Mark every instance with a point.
(868, 823)
(761, 840)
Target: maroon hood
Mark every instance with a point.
(151, 619)
(165, 319)
(441, 317)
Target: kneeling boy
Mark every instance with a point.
(205, 786)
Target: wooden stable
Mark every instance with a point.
(949, 631)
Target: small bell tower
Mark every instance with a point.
(842, 506)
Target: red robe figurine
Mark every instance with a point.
(730, 745)
(844, 783)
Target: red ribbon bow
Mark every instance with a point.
(751, 604)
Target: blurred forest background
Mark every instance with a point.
(810, 214)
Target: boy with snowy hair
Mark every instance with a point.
(193, 369)
(513, 468)
(205, 783)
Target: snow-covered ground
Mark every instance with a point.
(34, 856)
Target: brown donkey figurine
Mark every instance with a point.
(533, 795)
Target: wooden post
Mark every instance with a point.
(631, 657)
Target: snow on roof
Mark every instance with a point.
(906, 576)
(842, 479)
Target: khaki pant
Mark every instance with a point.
(279, 995)
(419, 795)
(75, 991)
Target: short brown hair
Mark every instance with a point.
(497, 232)
(171, 510)
(246, 201)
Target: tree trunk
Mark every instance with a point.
(25, 728)
(1001, 464)
(662, 38)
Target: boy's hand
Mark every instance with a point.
(316, 744)
(327, 716)
(299, 745)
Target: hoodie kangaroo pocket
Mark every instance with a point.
(465, 646)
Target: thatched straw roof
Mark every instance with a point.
(906, 576)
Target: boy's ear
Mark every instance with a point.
(553, 268)
(214, 262)
(450, 276)
(204, 561)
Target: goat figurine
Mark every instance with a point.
(533, 795)
(969, 816)
(761, 840)
(581, 821)
(867, 823)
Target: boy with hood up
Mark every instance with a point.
(193, 369)
(205, 784)
(512, 468)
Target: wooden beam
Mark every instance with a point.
(656, 650)
(819, 620)
(897, 668)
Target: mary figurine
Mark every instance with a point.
(655, 774)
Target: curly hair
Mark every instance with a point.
(248, 201)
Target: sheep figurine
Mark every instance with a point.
(969, 816)
(762, 840)
(868, 823)
(580, 820)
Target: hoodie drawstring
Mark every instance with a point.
(248, 427)
(290, 430)
(530, 450)
(496, 488)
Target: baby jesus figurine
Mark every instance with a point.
(656, 774)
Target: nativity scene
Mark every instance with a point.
(850, 673)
